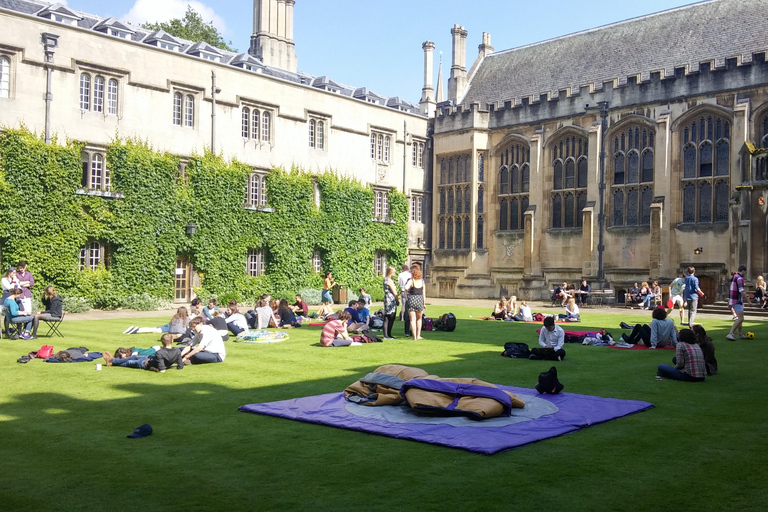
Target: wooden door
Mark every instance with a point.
(707, 285)
(181, 280)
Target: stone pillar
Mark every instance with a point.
(529, 255)
(458, 80)
(588, 241)
(655, 264)
(427, 103)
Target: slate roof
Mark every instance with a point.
(710, 31)
(93, 22)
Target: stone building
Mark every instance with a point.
(518, 152)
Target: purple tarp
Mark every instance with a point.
(573, 413)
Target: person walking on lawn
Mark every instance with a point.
(736, 301)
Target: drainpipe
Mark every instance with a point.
(49, 42)
(214, 92)
(405, 151)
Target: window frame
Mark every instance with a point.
(256, 190)
(628, 199)
(94, 255)
(5, 76)
(569, 153)
(255, 262)
(514, 178)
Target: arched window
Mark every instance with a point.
(632, 167)
(569, 180)
(112, 97)
(467, 233)
(442, 171)
(480, 223)
(480, 199)
(379, 147)
(467, 200)
(373, 146)
(459, 237)
(503, 215)
(97, 168)
(177, 109)
(266, 122)
(442, 234)
(514, 183)
(312, 125)
(98, 94)
(706, 169)
(480, 168)
(459, 201)
(85, 91)
(449, 234)
(320, 135)
(189, 111)
(5, 77)
(386, 148)
(255, 124)
(455, 198)
(246, 124)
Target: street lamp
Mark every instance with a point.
(50, 42)
(602, 106)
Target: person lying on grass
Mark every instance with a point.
(335, 332)
(162, 359)
(551, 341)
(208, 345)
(688, 360)
(178, 324)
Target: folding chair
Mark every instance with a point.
(53, 326)
(8, 323)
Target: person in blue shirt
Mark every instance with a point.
(355, 323)
(363, 312)
(17, 315)
(691, 294)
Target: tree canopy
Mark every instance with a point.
(193, 28)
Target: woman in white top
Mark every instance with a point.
(209, 345)
(571, 311)
(236, 321)
(9, 282)
(525, 314)
(177, 326)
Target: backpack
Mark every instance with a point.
(426, 324)
(376, 322)
(45, 352)
(516, 350)
(538, 317)
(548, 382)
(447, 322)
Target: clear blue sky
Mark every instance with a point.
(377, 43)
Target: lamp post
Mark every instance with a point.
(49, 42)
(602, 106)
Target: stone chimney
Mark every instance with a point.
(272, 38)
(485, 48)
(427, 103)
(458, 80)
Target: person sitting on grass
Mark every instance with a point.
(19, 316)
(524, 314)
(209, 309)
(571, 311)
(551, 341)
(355, 324)
(236, 322)
(177, 326)
(220, 324)
(324, 311)
(364, 313)
(162, 359)
(688, 361)
(300, 307)
(335, 332)
(501, 309)
(286, 316)
(208, 345)
(661, 333)
(194, 308)
(707, 348)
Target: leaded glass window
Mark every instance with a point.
(705, 153)
(632, 168)
(569, 179)
(514, 184)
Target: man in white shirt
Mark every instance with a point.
(551, 340)
(403, 278)
(209, 347)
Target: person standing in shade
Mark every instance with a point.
(403, 278)
(736, 301)
(691, 294)
(390, 303)
(26, 282)
(676, 295)
(551, 341)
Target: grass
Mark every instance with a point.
(63, 427)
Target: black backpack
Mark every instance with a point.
(548, 382)
(447, 322)
(376, 322)
(516, 350)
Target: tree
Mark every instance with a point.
(193, 28)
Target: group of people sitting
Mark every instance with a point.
(566, 292)
(510, 310)
(17, 312)
(644, 294)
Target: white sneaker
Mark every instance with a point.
(730, 337)
(355, 344)
(128, 330)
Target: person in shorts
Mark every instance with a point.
(676, 296)
(691, 294)
(736, 301)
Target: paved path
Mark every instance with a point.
(537, 306)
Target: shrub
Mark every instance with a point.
(145, 302)
(311, 296)
(75, 304)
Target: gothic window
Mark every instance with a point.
(257, 190)
(480, 199)
(320, 135)
(467, 170)
(417, 201)
(442, 171)
(255, 123)
(85, 91)
(266, 127)
(246, 124)
(317, 261)
(459, 201)
(189, 111)
(112, 97)
(467, 200)
(569, 181)
(98, 94)
(467, 233)
(312, 127)
(442, 233)
(93, 255)
(455, 198)
(450, 201)
(514, 183)
(418, 154)
(95, 172)
(176, 108)
(381, 204)
(480, 168)
(706, 169)
(480, 223)
(632, 176)
(380, 263)
(5, 77)
(380, 145)
(459, 238)
(764, 134)
(255, 262)
(449, 234)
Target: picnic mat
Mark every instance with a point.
(261, 336)
(543, 417)
(640, 346)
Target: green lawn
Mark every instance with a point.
(63, 426)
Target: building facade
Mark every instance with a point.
(74, 75)
(521, 156)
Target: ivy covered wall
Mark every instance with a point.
(46, 222)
